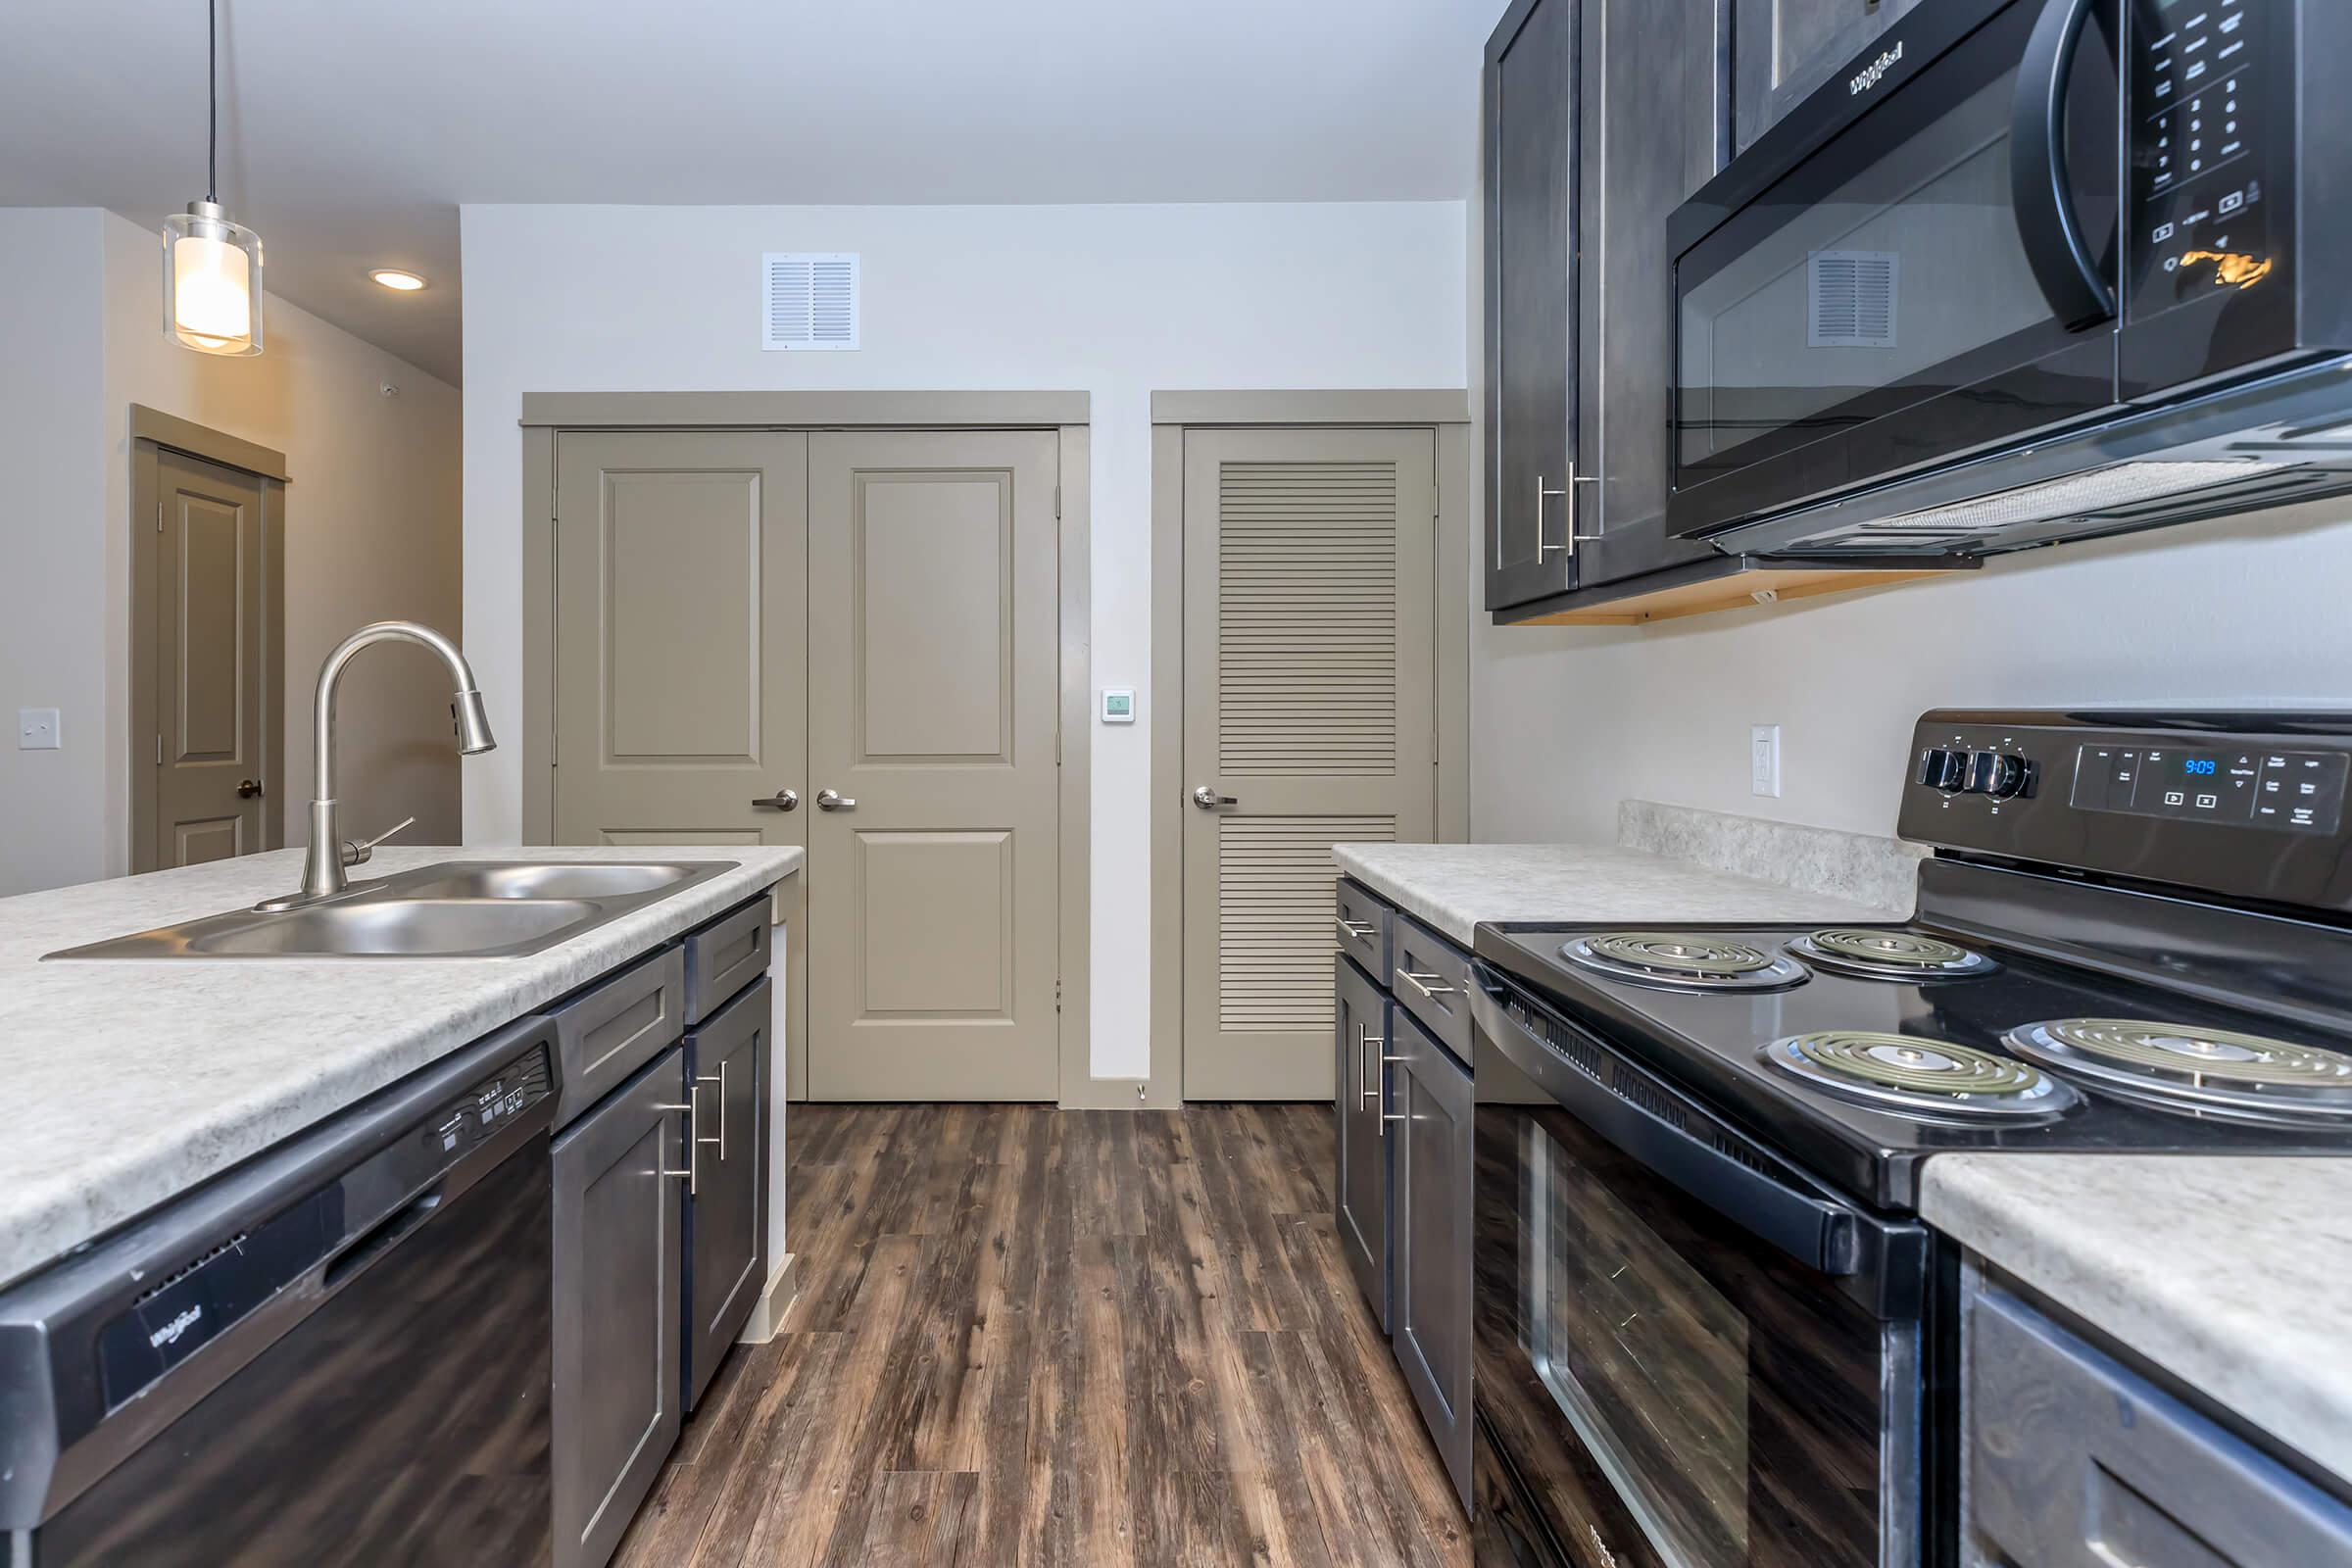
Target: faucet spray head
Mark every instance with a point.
(474, 724)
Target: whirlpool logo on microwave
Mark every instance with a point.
(1869, 75)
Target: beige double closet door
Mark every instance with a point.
(847, 641)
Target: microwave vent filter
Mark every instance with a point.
(1850, 299)
(2075, 496)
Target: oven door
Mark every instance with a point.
(1918, 263)
(1688, 1353)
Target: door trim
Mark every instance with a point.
(1447, 415)
(152, 433)
(547, 414)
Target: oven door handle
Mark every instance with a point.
(2041, 186)
(1823, 1235)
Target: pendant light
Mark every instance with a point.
(211, 266)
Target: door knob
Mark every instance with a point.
(1210, 800)
(781, 801)
(834, 801)
(248, 788)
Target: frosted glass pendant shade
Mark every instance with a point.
(212, 281)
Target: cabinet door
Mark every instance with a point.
(1430, 1315)
(1530, 92)
(1650, 107)
(726, 1205)
(1359, 1188)
(617, 1282)
(1786, 48)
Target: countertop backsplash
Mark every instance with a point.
(1878, 871)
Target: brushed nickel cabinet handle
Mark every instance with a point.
(1365, 1044)
(1355, 928)
(1421, 983)
(721, 1081)
(692, 1175)
(1543, 547)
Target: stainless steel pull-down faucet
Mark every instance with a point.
(329, 852)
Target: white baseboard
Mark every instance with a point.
(767, 1314)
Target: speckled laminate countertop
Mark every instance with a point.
(1455, 886)
(2234, 1275)
(129, 1081)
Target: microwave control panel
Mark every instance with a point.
(2201, 105)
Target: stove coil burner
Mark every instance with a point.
(2195, 1071)
(1909, 1075)
(1685, 961)
(1876, 954)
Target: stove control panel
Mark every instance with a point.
(2278, 788)
(2242, 805)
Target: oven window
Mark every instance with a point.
(1648, 1360)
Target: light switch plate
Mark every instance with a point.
(1118, 704)
(1764, 760)
(36, 730)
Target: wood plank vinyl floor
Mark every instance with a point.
(1087, 1339)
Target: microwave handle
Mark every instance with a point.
(2055, 245)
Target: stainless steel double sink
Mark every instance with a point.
(455, 909)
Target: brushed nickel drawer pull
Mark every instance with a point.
(1421, 983)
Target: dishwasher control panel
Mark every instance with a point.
(173, 1318)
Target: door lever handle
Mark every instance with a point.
(834, 801)
(781, 801)
(248, 788)
(1210, 800)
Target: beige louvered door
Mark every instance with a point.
(1309, 718)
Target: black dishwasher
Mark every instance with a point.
(335, 1353)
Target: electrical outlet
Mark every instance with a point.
(1764, 760)
(36, 730)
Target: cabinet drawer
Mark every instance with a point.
(608, 1032)
(1363, 928)
(1431, 976)
(2074, 1460)
(724, 957)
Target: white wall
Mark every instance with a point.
(1116, 301)
(52, 549)
(1569, 721)
(372, 532)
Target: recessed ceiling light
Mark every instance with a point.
(393, 277)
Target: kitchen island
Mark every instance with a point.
(131, 1082)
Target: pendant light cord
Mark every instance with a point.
(212, 76)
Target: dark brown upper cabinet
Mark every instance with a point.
(1601, 116)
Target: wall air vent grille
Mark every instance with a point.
(809, 300)
(1850, 299)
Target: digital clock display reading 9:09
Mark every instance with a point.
(2200, 766)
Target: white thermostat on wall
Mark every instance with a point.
(1118, 704)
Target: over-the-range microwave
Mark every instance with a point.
(2027, 271)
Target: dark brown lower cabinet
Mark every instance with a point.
(1360, 1193)
(618, 1262)
(1430, 1131)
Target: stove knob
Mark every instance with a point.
(1999, 774)
(1945, 770)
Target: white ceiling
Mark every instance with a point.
(351, 131)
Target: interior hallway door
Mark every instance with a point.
(209, 604)
(933, 854)
(1309, 720)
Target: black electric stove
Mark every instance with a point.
(1700, 1284)
(1854, 1078)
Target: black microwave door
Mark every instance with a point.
(1908, 281)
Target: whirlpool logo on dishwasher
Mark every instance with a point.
(1870, 76)
(187, 1319)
